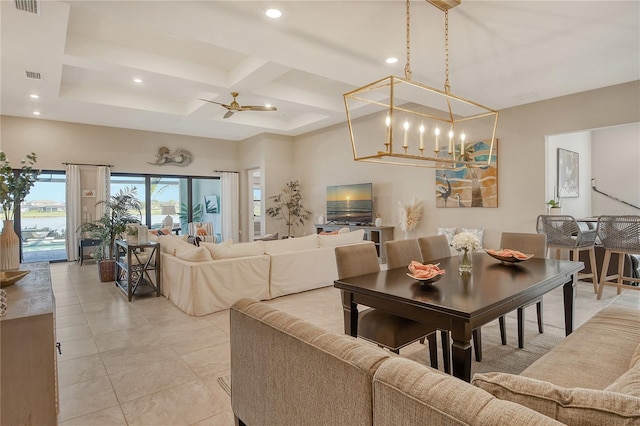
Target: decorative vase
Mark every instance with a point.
(321, 220)
(9, 247)
(555, 211)
(378, 222)
(465, 264)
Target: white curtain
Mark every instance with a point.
(230, 207)
(74, 213)
(103, 188)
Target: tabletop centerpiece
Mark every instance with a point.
(465, 243)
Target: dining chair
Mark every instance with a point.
(565, 233)
(621, 235)
(436, 247)
(535, 244)
(400, 253)
(384, 329)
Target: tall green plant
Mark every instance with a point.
(16, 184)
(114, 222)
(288, 206)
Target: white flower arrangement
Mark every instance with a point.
(465, 240)
(410, 215)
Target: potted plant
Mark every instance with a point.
(111, 226)
(14, 188)
(554, 207)
(288, 206)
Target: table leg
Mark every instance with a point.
(350, 310)
(461, 351)
(569, 291)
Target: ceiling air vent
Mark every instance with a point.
(32, 75)
(31, 6)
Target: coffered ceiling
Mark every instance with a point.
(502, 54)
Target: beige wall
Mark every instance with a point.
(324, 158)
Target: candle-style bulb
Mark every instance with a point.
(387, 120)
(406, 125)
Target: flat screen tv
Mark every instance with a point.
(350, 204)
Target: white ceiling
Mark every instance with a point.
(502, 54)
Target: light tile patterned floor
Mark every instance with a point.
(148, 363)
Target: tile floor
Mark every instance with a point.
(148, 363)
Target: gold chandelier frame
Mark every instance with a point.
(408, 99)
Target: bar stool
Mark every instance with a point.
(564, 232)
(621, 235)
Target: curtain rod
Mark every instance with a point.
(225, 171)
(85, 164)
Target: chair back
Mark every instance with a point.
(535, 244)
(356, 259)
(402, 252)
(434, 247)
(564, 231)
(620, 232)
(204, 230)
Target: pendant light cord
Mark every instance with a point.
(407, 66)
(447, 88)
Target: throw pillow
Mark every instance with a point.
(447, 232)
(193, 254)
(169, 243)
(268, 237)
(328, 233)
(577, 406)
(219, 251)
(341, 239)
(478, 232)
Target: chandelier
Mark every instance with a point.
(418, 125)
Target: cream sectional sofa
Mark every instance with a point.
(210, 278)
(286, 371)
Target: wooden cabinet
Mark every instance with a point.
(28, 369)
(378, 234)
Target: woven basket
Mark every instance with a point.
(107, 270)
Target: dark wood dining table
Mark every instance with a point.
(460, 302)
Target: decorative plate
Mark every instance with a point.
(426, 280)
(508, 259)
(8, 278)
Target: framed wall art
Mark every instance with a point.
(568, 173)
(465, 186)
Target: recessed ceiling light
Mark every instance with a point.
(36, 112)
(34, 96)
(273, 13)
(391, 60)
(137, 80)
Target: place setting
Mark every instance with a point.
(425, 273)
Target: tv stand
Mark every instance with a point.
(378, 234)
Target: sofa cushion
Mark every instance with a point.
(577, 406)
(447, 232)
(193, 254)
(629, 382)
(341, 239)
(228, 250)
(408, 393)
(169, 243)
(291, 244)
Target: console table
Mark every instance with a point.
(29, 385)
(134, 265)
(378, 234)
(86, 242)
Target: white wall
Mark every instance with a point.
(579, 142)
(324, 158)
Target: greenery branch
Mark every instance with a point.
(288, 206)
(16, 184)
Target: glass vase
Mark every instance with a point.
(465, 264)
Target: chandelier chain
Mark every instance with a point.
(447, 88)
(407, 66)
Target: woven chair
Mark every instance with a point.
(535, 244)
(400, 253)
(565, 233)
(436, 247)
(621, 235)
(382, 328)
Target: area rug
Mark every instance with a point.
(495, 356)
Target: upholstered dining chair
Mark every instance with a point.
(565, 233)
(535, 244)
(204, 230)
(436, 247)
(384, 329)
(400, 253)
(621, 235)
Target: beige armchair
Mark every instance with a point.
(204, 230)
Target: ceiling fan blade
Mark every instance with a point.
(228, 114)
(259, 108)
(214, 102)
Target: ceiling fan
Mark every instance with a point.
(235, 106)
